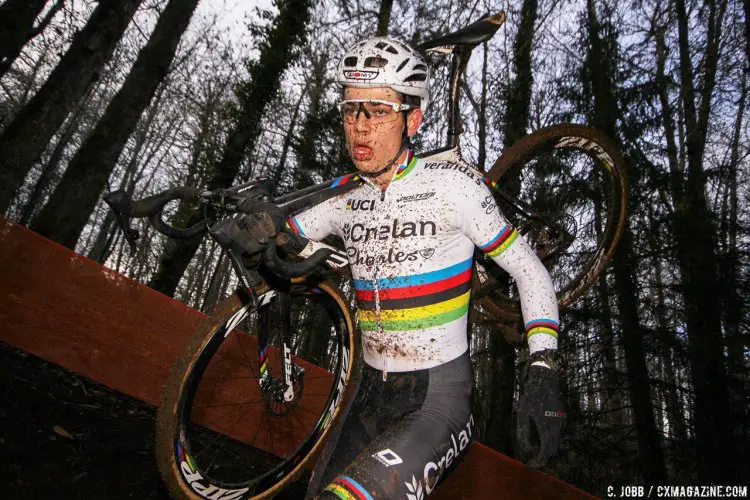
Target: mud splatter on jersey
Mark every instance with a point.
(410, 248)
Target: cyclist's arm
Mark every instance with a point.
(318, 221)
(487, 228)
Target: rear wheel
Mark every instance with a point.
(225, 428)
(564, 187)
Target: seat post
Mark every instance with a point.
(458, 65)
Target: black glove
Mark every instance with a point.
(542, 407)
(273, 215)
(246, 236)
(263, 222)
(261, 229)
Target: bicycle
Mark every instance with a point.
(267, 346)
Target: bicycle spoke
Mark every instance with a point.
(230, 404)
(216, 455)
(231, 378)
(221, 417)
(239, 432)
(566, 185)
(300, 422)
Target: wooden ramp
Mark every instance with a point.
(70, 310)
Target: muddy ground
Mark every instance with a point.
(64, 436)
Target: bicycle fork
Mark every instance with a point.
(267, 381)
(248, 280)
(285, 303)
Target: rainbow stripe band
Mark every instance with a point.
(263, 361)
(344, 179)
(541, 331)
(293, 224)
(544, 326)
(501, 242)
(416, 302)
(488, 182)
(399, 325)
(184, 456)
(404, 170)
(415, 279)
(347, 488)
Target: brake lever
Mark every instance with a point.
(121, 205)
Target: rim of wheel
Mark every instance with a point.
(197, 472)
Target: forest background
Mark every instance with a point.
(143, 95)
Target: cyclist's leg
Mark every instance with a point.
(416, 453)
(358, 426)
(346, 440)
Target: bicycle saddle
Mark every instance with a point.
(469, 36)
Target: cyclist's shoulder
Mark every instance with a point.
(453, 174)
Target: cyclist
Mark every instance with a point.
(410, 230)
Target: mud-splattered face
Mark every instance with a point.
(372, 146)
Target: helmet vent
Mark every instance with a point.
(420, 67)
(350, 62)
(375, 62)
(401, 66)
(416, 78)
(386, 47)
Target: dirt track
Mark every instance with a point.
(63, 436)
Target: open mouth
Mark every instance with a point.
(362, 152)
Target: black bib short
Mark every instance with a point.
(400, 436)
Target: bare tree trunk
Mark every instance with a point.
(100, 249)
(696, 251)
(667, 119)
(49, 168)
(730, 269)
(614, 401)
(68, 210)
(26, 137)
(9, 109)
(311, 129)
(676, 171)
(141, 258)
(605, 115)
(212, 290)
(384, 17)
(674, 409)
(103, 239)
(501, 389)
(288, 140)
(275, 55)
(17, 19)
(519, 91)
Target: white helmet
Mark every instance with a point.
(385, 62)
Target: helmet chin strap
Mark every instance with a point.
(404, 145)
(388, 165)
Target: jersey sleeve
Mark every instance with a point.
(316, 222)
(483, 223)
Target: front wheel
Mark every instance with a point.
(565, 188)
(227, 427)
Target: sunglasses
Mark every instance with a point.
(376, 111)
